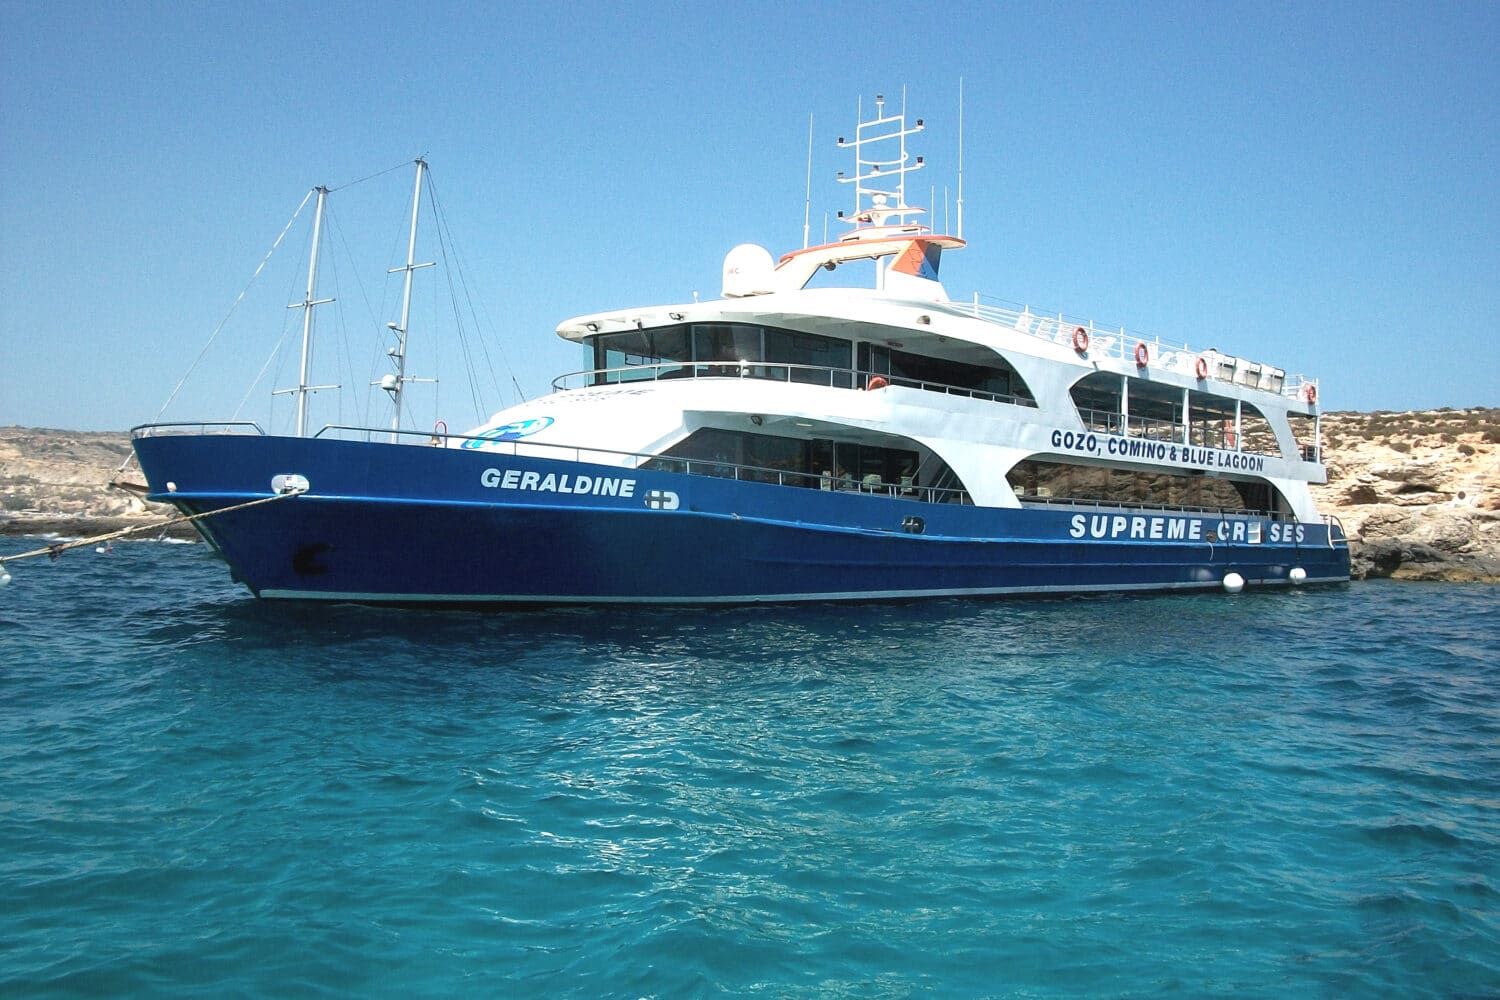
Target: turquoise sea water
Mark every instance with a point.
(1291, 794)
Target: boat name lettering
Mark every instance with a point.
(1178, 529)
(599, 486)
(1075, 441)
(1159, 451)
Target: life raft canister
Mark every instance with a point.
(1080, 339)
(1142, 355)
(1201, 368)
(877, 382)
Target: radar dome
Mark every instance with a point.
(748, 271)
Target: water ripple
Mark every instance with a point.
(1272, 795)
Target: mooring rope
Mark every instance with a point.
(58, 548)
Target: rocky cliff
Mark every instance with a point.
(55, 482)
(1418, 493)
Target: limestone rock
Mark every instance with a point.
(1418, 493)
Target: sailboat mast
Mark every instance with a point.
(307, 304)
(396, 384)
(411, 256)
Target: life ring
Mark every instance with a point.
(1310, 393)
(877, 382)
(1201, 368)
(1080, 339)
(1142, 355)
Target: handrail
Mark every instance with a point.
(1119, 343)
(1331, 520)
(750, 473)
(838, 378)
(151, 429)
(673, 463)
(1273, 515)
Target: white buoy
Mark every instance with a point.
(1233, 583)
(4, 577)
(1298, 576)
(171, 487)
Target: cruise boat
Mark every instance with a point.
(793, 440)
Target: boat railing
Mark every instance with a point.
(1204, 433)
(1092, 503)
(197, 427)
(1332, 521)
(1112, 342)
(870, 485)
(838, 378)
(1153, 428)
(1104, 421)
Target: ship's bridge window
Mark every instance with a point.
(706, 350)
(641, 354)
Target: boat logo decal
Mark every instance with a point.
(513, 431)
(662, 500)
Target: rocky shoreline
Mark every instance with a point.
(1418, 492)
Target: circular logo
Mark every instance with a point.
(513, 431)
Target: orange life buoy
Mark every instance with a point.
(1201, 368)
(877, 382)
(1080, 339)
(1142, 355)
(1310, 393)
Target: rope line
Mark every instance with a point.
(238, 299)
(378, 173)
(58, 548)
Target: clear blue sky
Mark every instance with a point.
(1316, 186)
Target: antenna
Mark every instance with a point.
(807, 205)
(960, 233)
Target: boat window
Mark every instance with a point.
(727, 342)
(995, 379)
(1116, 404)
(1210, 421)
(1042, 481)
(706, 347)
(1305, 433)
(647, 351)
(1099, 401)
(813, 464)
(714, 349)
(816, 352)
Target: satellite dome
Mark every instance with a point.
(748, 270)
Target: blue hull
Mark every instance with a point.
(409, 524)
